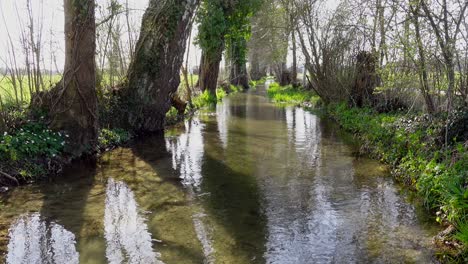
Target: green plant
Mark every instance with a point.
(114, 137)
(206, 99)
(462, 232)
(289, 94)
(31, 140)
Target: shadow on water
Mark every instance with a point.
(235, 202)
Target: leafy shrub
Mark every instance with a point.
(30, 141)
(113, 137)
(206, 99)
(220, 93)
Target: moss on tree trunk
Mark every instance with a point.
(154, 74)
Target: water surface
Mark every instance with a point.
(249, 183)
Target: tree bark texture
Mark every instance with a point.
(209, 71)
(154, 74)
(72, 103)
(365, 80)
(238, 73)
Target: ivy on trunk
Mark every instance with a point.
(154, 74)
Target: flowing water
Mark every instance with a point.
(251, 183)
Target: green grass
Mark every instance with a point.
(206, 99)
(192, 80)
(8, 96)
(7, 91)
(289, 94)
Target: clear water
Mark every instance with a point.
(251, 183)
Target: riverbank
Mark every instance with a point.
(31, 152)
(414, 145)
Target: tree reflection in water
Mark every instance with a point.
(126, 233)
(33, 240)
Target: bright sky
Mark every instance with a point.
(14, 15)
(13, 18)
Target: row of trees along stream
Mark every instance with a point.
(382, 53)
(142, 100)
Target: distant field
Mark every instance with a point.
(7, 91)
(8, 95)
(191, 78)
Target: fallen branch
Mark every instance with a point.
(8, 176)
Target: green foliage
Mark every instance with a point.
(206, 99)
(7, 88)
(213, 25)
(113, 137)
(225, 22)
(462, 234)
(220, 93)
(258, 82)
(289, 94)
(235, 89)
(30, 141)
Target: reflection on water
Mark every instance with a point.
(332, 208)
(223, 113)
(204, 237)
(127, 236)
(254, 183)
(32, 240)
(187, 153)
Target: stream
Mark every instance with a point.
(252, 182)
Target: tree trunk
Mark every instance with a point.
(73, 102)
(294, 58)
(255, 67)
(365, 79)
(238, 74)
(154, 74)
(209, 71)
(422, 62)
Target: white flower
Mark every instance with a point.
(6, 133)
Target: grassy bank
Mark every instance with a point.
(290, 95)
(414, 145)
